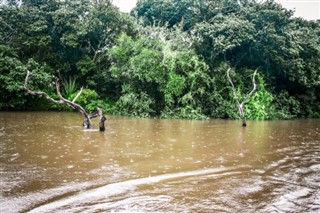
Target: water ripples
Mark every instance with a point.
(151, 165)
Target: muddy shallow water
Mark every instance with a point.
(48, 163)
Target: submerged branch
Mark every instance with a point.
(87, 122)
(246, 99)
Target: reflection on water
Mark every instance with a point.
(50, 164)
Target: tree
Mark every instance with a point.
(174, 65)
(70, 36)
(246, 99)
(12, 73)
(87, 117)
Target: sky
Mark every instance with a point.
(308, 9)
(126, 5)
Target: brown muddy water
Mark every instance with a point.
(50, 164)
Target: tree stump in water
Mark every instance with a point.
(102, 119)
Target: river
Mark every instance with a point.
(50, 164)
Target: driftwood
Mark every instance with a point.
(87, 117)
(246, 99)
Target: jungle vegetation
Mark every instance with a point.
(167, 58)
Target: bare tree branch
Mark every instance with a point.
(246, 99)
(87, 122)
(254, 88)
(233, 87)
(40, 94)
(77, 96)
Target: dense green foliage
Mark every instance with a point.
(168, 59)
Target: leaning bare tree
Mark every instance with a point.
(246, 99)
(87, 117)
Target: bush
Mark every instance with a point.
(88, 99)
(260, 105)
(288, 107)
(136, 104)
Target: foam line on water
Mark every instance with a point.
(114, 189)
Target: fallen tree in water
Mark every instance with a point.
(87, 117)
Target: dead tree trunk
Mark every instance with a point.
(87, 117)
(246, 99)
(102, 119)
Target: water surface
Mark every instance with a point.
(48, 163)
